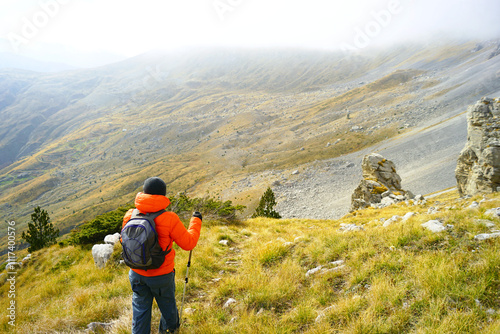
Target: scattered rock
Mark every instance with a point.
(408, 215)
(224, 242)
(325, 270)
(391, 220)
(112, 238)
(25, 259)
(478, 166)
(474, 205)
(337, 263)
(350, 227)
(386, 201)
(189, 310)
(436, 226)
(432, 210)
(101, 254)
(98, 327)
(485, 222)
(229, 302)
(313, 271)
(494, 213)
(485, 236)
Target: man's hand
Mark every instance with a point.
(197, 215)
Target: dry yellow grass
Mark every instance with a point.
(395, 279)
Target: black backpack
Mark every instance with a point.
(141, 249)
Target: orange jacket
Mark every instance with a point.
(168, 227)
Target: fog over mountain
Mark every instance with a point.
(93, 33)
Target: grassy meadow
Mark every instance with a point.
(400, 278)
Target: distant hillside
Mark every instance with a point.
(230, 122)
(13, 61)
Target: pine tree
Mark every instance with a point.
(41, 232)
(266, 206)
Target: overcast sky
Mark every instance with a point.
(131, 27)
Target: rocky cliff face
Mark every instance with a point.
(381, 185)
(478, 166)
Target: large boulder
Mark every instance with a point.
(101, 254)
(381, 185)
(112, 238)
(478, 166)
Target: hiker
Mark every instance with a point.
(159, 283)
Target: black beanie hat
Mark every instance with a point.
(155, 186)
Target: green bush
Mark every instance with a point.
(95, 230)
(209, 207)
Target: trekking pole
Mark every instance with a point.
(185, 283)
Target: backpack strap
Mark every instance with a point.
(153, 215)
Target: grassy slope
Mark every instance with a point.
(397, 279)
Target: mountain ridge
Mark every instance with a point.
(82, 142)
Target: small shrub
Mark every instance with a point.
(41, 232)
(266, 206)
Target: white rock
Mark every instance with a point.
(295, 172)
(434, 226)
(337, 263)
(474, 205)
(322, 314)
(229, 302)
(391, 220)
(313, 271)
(400, 198)
(495, 212)
(386, 193)
(485, 236)
(351, 227)
(101, 254)
(408, 215)
(485, 222)
(189, 310)
(324, 270)
(386, 201)
(224, 242)
(112, 238)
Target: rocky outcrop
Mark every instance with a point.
(478, 166)
(381, 185)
